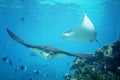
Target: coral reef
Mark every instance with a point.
(105, 65)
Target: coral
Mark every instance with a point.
(104, 66)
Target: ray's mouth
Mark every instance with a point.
(65, 35)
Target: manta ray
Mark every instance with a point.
(47, 52)
(85, 31)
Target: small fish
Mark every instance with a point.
(23, 68)
(5, 59)
(31, 78)
(46, 75)
(16, 69)
(36, 71)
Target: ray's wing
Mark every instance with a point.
(16, 38)
(46, 51)
(86, 23)
(86, 29)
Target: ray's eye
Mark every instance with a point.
(69, 31)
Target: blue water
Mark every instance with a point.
(42, 22)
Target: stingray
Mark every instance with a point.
(85, 31)
(47, 52)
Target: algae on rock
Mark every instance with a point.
(104, 66)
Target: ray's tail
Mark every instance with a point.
(83, 55)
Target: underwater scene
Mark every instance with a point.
(59, 39)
